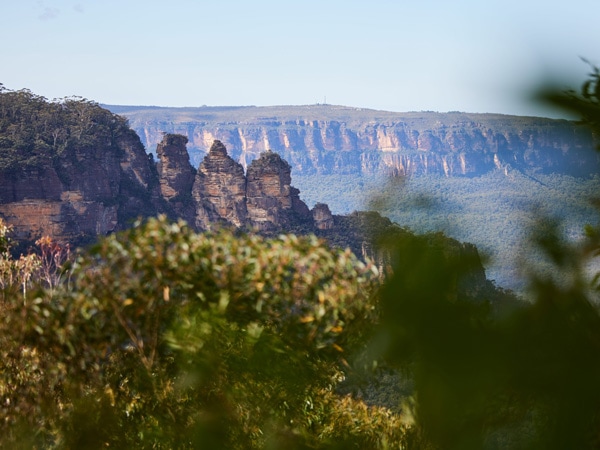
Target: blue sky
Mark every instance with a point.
(402, 55)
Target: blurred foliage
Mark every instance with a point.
(584, 103)
(164, 338)
(159, 337)
(519, 375)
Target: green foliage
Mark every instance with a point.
(523, 377)
(164, 338)
(34, 131)
(585, 103)
(519, 376)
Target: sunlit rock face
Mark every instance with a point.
(268, 191)
(262, 199)
(83, 192)
(219, 190)
(322, 216)
(327, 139)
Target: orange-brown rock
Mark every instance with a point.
(331, 139)
(322, 216)
(268, 193)
(95, 182)
(219, 190)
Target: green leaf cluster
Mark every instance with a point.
(165, 338)
(35, 131)
(519, 375)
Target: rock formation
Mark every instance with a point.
(176, 175)
(268, 191)
(71, 170)
(263, 199)
(328, 139)
(82, 192)
(322, 217)
(92, 176)
(219, 190)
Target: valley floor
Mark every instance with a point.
(495, 211)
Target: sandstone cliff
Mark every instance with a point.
(263, 199)
(269, 192)
(84, 191)
(73, 171)
(329, 139)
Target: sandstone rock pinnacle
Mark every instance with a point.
(322, 216)
(219, 190)
(176, 174)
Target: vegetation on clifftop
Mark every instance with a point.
(34, 130)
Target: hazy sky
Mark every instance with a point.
(396, 55)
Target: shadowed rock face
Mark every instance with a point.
(176, 175)
(174, 168)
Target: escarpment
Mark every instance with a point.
(327, 139)
(72, 171)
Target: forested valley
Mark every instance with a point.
(495, 211)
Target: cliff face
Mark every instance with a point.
(82, 192)
(330, 139)
(268, 193)
(73, 171)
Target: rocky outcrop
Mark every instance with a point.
(263, 199)
(176, 175)
(322, 216)
(219, 190)
(72, 170)
(82, 192)
(329, 139)
(268, 192)
(90, 175)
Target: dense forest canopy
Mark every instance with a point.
(34, 130)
